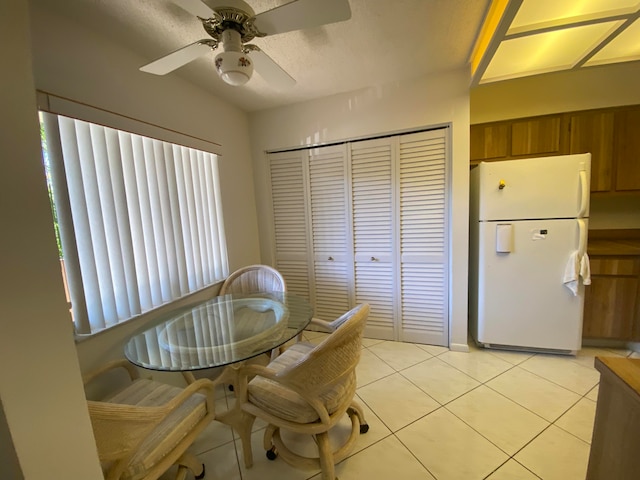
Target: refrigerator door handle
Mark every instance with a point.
(582, 243)
(584, 193)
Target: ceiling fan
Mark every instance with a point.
(233, 26)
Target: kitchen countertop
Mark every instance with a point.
(626, 369)
(614, 242)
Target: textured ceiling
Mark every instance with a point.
(384, 41)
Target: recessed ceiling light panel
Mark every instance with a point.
(536, 14)
(545, 52)
(624, 48)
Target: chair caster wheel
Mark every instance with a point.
(364, 428)
(271, 454)
(231, 388)
(202, 474)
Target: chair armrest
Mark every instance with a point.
(322, 324)
(333, 325)
(120, 363)
(122, 427)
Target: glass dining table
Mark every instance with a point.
(224, 331)
(218, 332)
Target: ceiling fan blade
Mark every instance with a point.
(301, 14)
(269, 70)
(194, 7)
(177, 59)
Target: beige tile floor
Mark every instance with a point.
(437, 414)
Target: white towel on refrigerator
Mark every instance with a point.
(577, 267)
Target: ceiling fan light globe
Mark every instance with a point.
(235, 68)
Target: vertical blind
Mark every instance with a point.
(140, 220)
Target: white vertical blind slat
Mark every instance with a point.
(135, 217)
(145, 176)
(183, 187)
(172, 168)
(84, 245)
(104, 229)
(129, 303)
(207, 257)
(192, 215)
(138, 212)
(221, 267)
(163, 157)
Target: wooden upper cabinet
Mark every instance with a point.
(536, 136)
(592, 132)
(611, 135)
(489, 142)
(626, 149)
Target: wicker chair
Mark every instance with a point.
(145, 428)
(253, 279)
(307, 389)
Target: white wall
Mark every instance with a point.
(71, 61)
(377, 110)
(596, 87)
(40, 383)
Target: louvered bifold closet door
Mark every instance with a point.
(423, 242)
(290, 219)
(330, 230)
(373, 232)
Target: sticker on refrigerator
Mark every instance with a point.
(539, 234)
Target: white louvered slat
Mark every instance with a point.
(373, 225)
(330, 230)
(290, 224)
(423, 238)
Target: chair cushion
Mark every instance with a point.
(284, 403)
(169, 432)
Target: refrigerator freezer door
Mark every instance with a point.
(547, 187)
(522, 300)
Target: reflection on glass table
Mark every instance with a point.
(220, 331)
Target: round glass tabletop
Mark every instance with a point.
(220, 331)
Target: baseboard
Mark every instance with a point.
(459, 347)
(605, 343)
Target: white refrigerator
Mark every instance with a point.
(528, 263)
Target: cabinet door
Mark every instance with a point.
(627, 149)
(608, 308)
(289, 207)
(423, 246)
(489, 142)
(330, 231)
(373, 233)
(611, 300)
(592, 132)
(536, 136)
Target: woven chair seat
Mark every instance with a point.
(168, 433)
(284, 403)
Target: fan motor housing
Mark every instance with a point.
(226, 18)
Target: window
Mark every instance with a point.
(140, 220)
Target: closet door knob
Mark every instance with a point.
(374, 259)
(330, 259)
